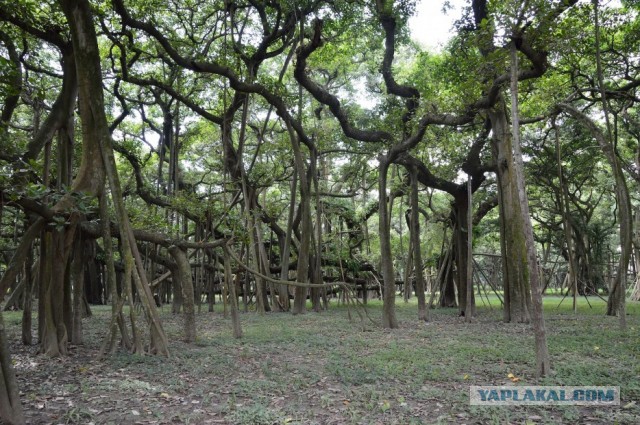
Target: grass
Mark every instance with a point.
(322, 368)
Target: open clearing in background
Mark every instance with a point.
(325, 369)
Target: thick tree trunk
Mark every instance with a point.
(466, 298)
(67, 297)
(10, 407)
(77, 278)
(184, 277)
(445, 278)
(517, 290)
(98, 158)
(56, 332)
(177, 299)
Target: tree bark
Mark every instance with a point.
(543, 366)
(423, 313)
(389, 319)
(517, 290)
(117, 302)
(302, 269)
(233, 297)
(283, 290)
(466, 300)
(56, 332)
(77, 278)
(30, 268)
(10, 407)
(470, 304)
(97, 150)
(183, 270)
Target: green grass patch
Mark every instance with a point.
(327, 368)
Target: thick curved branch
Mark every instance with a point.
(61, 109)
(152, 82)
(471, 164)
(51, 34)
(426, 177)
(95, 230)
(326, 98)
(428, 119)
(11, 101)
(484, 208)
(412, 95)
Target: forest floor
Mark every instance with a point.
(323, 368)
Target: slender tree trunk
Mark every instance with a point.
(408, 268)
(233, 297)
(44, 272)
(19, 256)
(262, 260)
(283, 290)
(177, 299)
(302, 271)
(423, 313)
(389, 319)
(635, 293)
(10, 407)
(317, 257)
(469, 308)
(615, 305)
(117, 302)
(543, 366)
(27, 337)
(563, 197)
